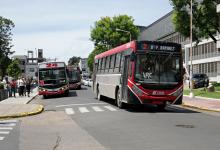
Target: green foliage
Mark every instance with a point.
(13, 69)
(5, 43)
(74, 61)
(105, 36)
(203, 93)
(205, 19)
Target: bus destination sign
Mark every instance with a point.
(157, 46)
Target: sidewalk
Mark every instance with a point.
(202, 103)
(19, 107)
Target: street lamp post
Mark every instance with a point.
(125, 32)
(191, 67)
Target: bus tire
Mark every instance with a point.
(98, 95)
(119, 102)
(161, 107)
(179, 101)
(45, 96)
(66, 93)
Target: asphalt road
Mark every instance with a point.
(82, 122)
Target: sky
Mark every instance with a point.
(62, 27)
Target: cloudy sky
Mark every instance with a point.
(62, 27)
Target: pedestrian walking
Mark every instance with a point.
(13, 85)
(21, 86)
(28, 86)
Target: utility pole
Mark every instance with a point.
(191, 65)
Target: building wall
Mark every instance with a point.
(206, 56)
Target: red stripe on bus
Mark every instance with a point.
(118, 49)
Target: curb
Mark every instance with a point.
(24, 114)
(197, 107)
(205, 98)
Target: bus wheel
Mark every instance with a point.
(98, 96)
(119, 102)
(45, 96)
(161, 107)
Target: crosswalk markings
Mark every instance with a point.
(96, 108)
(110, 108)
(1, 138)
(8, 121)
(69, 111)
(5, 127)
(83, 109)
(4, 132)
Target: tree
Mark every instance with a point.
(205, 19)
(13, 69)
(6, 26)
(74, 61)
(105, 36)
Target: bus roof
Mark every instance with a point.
(118, 49)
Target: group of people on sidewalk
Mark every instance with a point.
(22, 85)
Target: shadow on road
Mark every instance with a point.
(150, 108)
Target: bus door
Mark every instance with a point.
(95, 69)
(124, 88)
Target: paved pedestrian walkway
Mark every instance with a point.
(202, 103)
(19, 106)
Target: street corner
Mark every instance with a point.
(22, 111)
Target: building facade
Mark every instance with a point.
(29, 63)
(206, 56)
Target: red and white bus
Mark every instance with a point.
(53, 79)
(140, 72)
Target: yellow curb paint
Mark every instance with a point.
(24, 114)
(201, 108)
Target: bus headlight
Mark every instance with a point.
(137, 90)
(177, 92)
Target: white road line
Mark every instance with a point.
(4, 132)
(69, 111)
(1, 138)
(8, 121)
(80, 104)
(6, 128)
(110, 108)
(83, 109)
(96, 108)
(8, 125)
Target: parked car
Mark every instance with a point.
(200, 80)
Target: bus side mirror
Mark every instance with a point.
(132, 57)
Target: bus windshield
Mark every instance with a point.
(154, 68)
(52, 74)
(74, 75)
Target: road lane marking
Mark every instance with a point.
(83, 109)
(4, 132)
(96, 108)
(80, 104)
(8, 121)
(1, 138)
(110, 108)
(69, 111)
(6, 128)
(8, 125)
